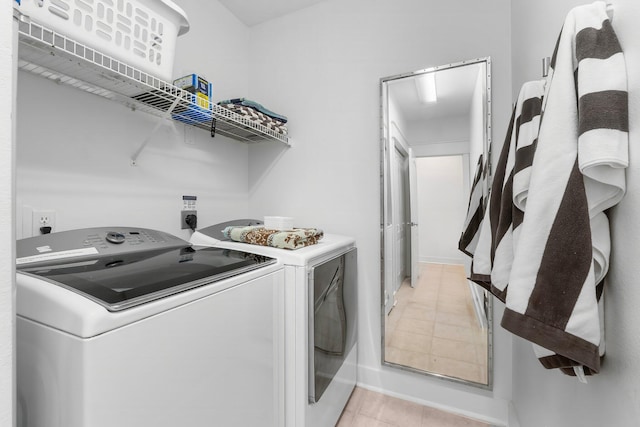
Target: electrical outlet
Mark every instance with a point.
(183, 218)
(43, 218)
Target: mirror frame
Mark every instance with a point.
(384, 205)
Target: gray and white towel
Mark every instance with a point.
(577, 173)
(475, 211)
(497, 244)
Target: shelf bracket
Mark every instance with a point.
(165, 116)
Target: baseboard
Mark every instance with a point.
(513, 416)
(437, 393)
(441, 260)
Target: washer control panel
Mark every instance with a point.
(90, 243)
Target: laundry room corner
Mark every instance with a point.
(361, 247)
(75, 149)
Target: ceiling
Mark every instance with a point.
(254, 12)
(454, 87)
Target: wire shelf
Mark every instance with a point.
(49, 54)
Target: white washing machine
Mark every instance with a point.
(132, 327)
(320, 318)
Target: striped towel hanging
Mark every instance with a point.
(475, 211)
(577, 173)
(492, 262)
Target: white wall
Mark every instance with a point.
(7, 234)
(447, 129)
(322, 67)
(442, 208)
(530, 42)
(215, 47)
(74, 148)
(612, 398)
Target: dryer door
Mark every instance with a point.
(332, 322)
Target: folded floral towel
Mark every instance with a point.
(258, 235)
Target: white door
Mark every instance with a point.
(413, 207)
(399, 219)
(389, 235)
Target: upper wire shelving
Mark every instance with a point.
(55, 56)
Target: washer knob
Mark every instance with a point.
(115, 237)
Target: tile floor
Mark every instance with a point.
(370, 409)
(433, 327)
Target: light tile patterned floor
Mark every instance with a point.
(433, 326)
(370, 409)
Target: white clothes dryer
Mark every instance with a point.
(320, 319)
(132, 327)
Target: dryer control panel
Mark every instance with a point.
(89, 243)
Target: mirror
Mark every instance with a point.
(435, 128)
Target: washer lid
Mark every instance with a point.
(124, 280)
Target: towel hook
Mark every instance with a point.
(545, 66)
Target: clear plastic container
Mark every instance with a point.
(141, 33)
